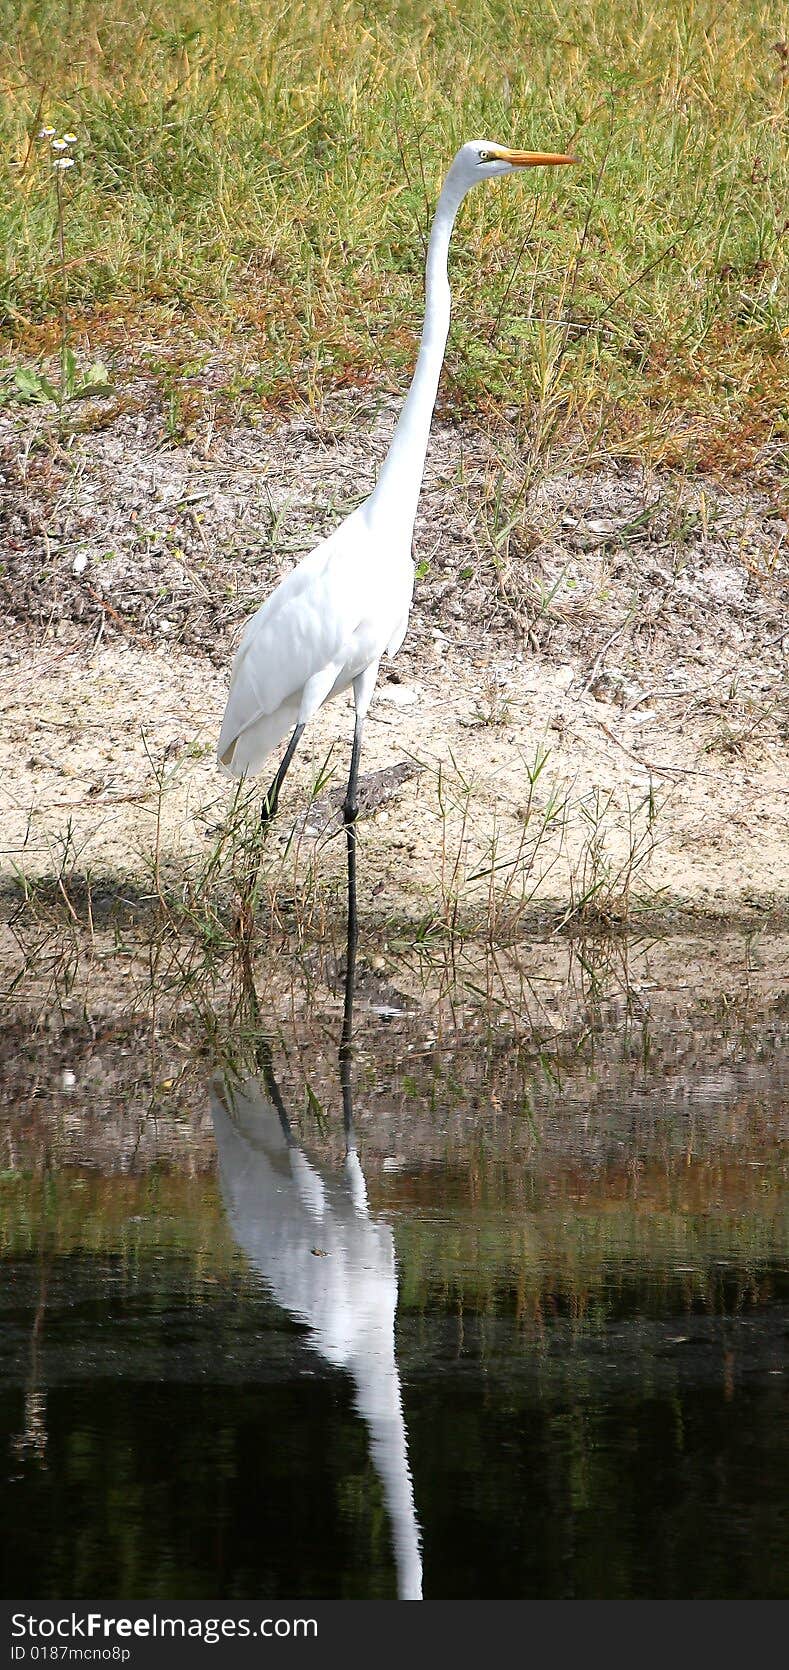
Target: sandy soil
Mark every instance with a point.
(633, 628)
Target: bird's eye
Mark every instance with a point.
(486, 156)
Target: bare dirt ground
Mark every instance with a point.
(631, 626)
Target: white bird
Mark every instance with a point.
(327, 624)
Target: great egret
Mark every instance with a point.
(327, 624)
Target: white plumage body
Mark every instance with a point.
(328, 621)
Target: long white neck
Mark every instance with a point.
(398, 486)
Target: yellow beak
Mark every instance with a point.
(533, 159)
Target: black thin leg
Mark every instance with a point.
(271, 800)
(351, 806)
(350, 812)
(346, 1039)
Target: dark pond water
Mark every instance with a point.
(524, 1338)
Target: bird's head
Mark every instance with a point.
(482, 159)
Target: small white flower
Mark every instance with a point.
(58, 144)
(46, 133)
(64, 162)
(69, 139)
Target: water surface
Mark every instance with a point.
(517, 1332)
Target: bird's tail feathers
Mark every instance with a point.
(246, 749)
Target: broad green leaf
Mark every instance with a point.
(96, 381)
(28, 384)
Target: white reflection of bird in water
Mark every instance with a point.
(329, 1263)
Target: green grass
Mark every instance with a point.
(264, 176)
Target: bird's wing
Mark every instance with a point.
(303, 627)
